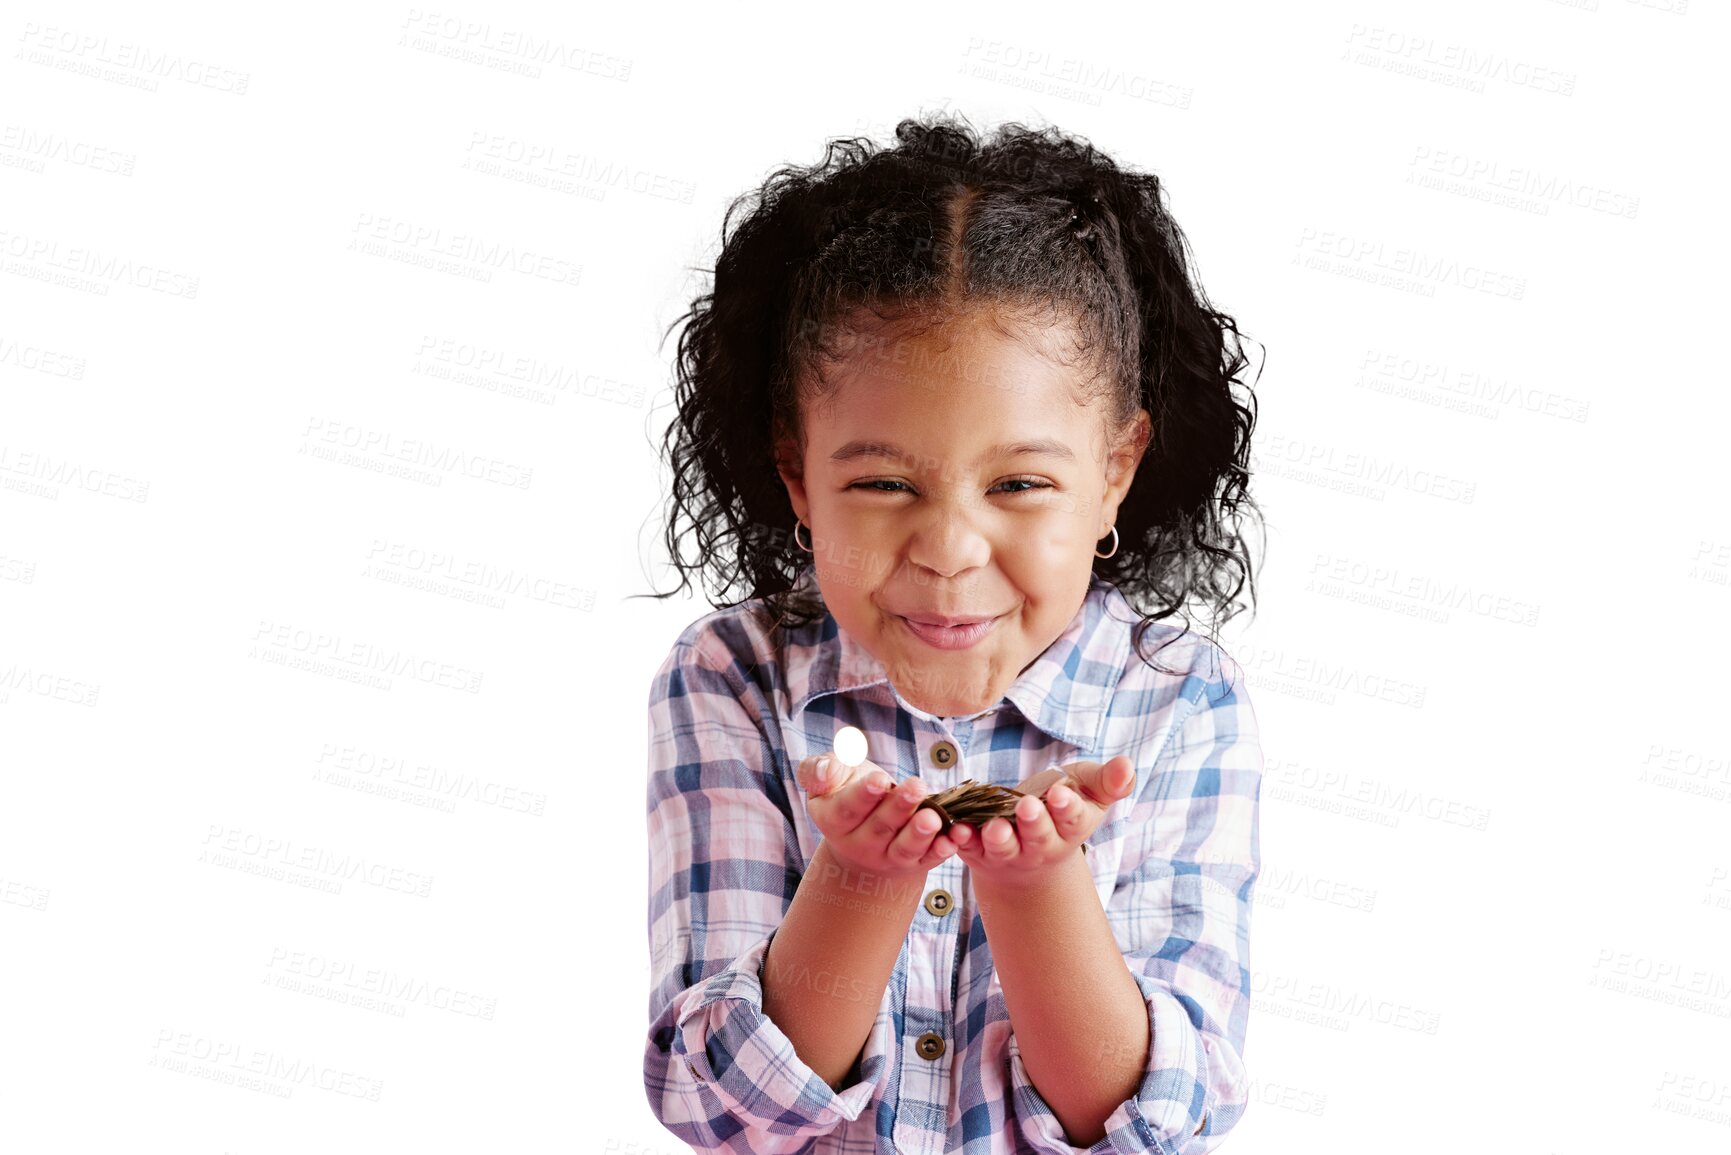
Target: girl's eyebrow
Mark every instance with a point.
(1046, 446)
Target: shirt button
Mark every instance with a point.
(929, 1045)
(940, 902)
(944, 754)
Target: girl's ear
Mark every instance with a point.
(1126, 456)
(1123, 460)
(792, 471)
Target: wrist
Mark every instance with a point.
(837, 881)
(1058, 877)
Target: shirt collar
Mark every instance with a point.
(1065, 691)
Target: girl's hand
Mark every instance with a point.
(865, 821)
(1046, 830)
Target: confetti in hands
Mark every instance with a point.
(975, 803)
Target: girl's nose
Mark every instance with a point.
(947, 542)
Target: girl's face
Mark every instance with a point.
(927, 498)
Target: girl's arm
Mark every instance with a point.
(724, 880)
(1179, 924)
(830, 963)
(1075, 1011)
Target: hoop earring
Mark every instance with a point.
(1114, 548)
(796, 524)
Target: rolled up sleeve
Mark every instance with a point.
(723, 870)
(1181, 915)
(747, 1064)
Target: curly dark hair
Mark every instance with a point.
(1029, 219)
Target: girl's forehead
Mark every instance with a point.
(958, 388)
(986, 397)
(961, 425)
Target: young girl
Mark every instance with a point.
(951, 411)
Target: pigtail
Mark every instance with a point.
(1191, 504)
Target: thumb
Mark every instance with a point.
(825, 779)
(1119, 776)
(1105, 782)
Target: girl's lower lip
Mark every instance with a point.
(949, 637)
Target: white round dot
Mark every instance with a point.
(850, 746)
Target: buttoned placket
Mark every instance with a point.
(934, 941)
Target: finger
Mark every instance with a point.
(998, 842)
(857, 800)
(1120, 777)
(941, 848)
(967, 841)
(892, 813)
(1066, 812)
(1038, 783)
(915, 838)
(818, 775)
(1103, 783)
(1084, 781)
(1034, 826)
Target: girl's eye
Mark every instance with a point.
(1030, 482)
(1027, 481)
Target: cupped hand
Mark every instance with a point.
(869, 822)
(1049, 826)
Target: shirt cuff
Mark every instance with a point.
(737, 1053)
(1172, 1107)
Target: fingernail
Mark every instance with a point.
(876, 785)
(822, 770)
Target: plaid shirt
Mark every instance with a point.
(735, 708)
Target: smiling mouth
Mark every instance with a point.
(948, 637)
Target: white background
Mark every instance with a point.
(1483, 245)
